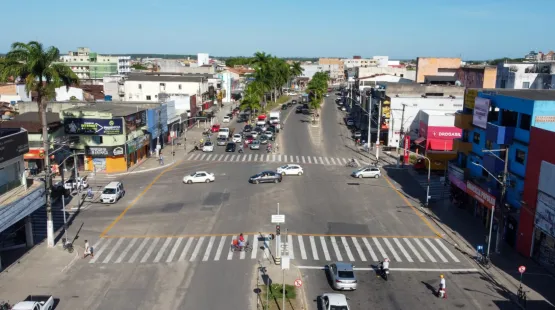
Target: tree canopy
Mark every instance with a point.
(317, 88)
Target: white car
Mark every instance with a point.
(269, 134)
(254, 134)
(255, 145)
(290, 169)
(70, 184)
(208, 147)
(367, 172)
(237, 138)
(226, 119)
(199, 177)
(292, 94)
(334, 301)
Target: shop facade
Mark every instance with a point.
(137, 150)
(157, 120)
(105, 158)
(436, 131)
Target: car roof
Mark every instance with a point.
(201, 172)
(112, 185)
(268, 171)
(344, 266)
(336, 299)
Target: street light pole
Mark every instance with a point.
(429, 174)
(379, 124)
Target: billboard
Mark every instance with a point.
(104, 151)
(445, 133)
(480, 114)
(478, 193)
(93, 126)
(545, 214)
(13, 145)
(470, 97)
(135, 121)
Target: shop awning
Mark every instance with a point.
(419, 140)
(440, 145)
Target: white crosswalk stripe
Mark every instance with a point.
(208, 248)
(309, 160)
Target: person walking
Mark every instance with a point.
(88, 250)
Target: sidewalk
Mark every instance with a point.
(466, 232)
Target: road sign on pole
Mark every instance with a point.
(278, 218)
(522, 269)
(285, 262)
(298, 283)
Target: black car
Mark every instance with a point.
(272, 129)
(284, 106)
(247, 128)
(299, 110)
(263, 139)
(305, 106)
(230, 115)
(306, 111)
(230, 147)
(266, 177)
(294, 101)
(290, 103)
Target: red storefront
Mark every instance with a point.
(437, 138)
(536, 229)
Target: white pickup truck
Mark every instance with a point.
(35, 302)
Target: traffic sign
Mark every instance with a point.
(278, 218)
(298, 283)
(521, 269)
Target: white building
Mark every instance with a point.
(65, 94)
(381, 61)
(114, 87)
(92, 66)
(400, 72)
(310, 70)
(372, 81)
(148, 87)
(124, 64)
(525, 75)
(203, 59)
(359, 63)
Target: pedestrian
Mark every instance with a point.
(88, 250)
(161, 159)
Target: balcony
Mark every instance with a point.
(461, 146)
(463, 121)
(493, 164)
(20, 202)
(500, 134)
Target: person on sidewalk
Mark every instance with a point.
(88, 250)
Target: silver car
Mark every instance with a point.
(255, 145)
(342, 276)
(367, 172)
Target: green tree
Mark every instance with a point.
(138, 66)
(317, 88)
(296, 70)
(37, 67)
(252, 96)
(238, 61)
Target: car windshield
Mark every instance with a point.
(338, 307)
(255, 142)
(193, 174)
(208, 143)
(237, 135)
(284, 167)
(345, 274)
(109, 191)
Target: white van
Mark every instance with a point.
(112, 192)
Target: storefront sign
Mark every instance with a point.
(456, 176)
(481, 110)
(469, 98)
(13, 145)
(135, 121)
(136, 143)
(93, 126)
(545, 214)
(480, 194)
(447, 133)
(406, 149)
(104, 151)
(545, 119)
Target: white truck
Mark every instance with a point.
(274, 118)
(225, 133)
(35, 302)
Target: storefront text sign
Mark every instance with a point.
(93, 126)
(545, 119)
(481, 111)
(480, 194)
(456, 176)
(104, 151)
(14, 145)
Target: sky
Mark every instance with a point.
(400, 29)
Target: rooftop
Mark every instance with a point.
(116, 110)
(528, 94)
(9, 131)
(31, 121)
(33, 117)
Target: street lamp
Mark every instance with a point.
(173, 139)
(503, 183)
(429, 174)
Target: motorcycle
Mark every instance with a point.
(352, 164)
(241, 151)
(268, 149)
(384, 272)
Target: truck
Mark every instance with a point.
(225, 133)
(275, 118)
(438, 159)
(35, 302)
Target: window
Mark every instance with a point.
(525, 85)
(441, 104)
(520, 156)
(476, 138)
(179, 86)
(489, 144)
(525, 121)
(140, 86)
(97, 139)
(147, 97)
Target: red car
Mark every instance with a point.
(249, 139)
(215, 128)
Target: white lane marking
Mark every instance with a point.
(220, 248)
(220, 158)
(332, 161)
(201, 156)
(357, 162)
(345, 161)
(162, 250)
(400, 246)
(209, 248)
(114, 249)
(150, 250)
(338, 161)
(321, 160)
(243, 253)
(102, 248)
(230, 254)
(255, 157)
(313, 247)
(185, 249)
(436, 250)
(285, 158)
(446, 250)
(327, 161)
(226, 157)
(250, 157)
(445, 270)
(359, 249)
(414, 251)
(423, 248)
(279, 157)
(301, 247)
(273, 157)
(127, 249)
(308, 159)
(191, 156)
(245, 157)
(325, 249)
(297, 159)
(379, 246)
(174, 249)
(315, 159)
(254, 247)
(208, 157)
(347, 248)
(233, 157)
(392, 250)
(367, 244)
(336, 249)
(197, 249)
(290, 246)
(138, 251)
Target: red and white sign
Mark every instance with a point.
(485, 198)
(444, 132)
(298, 283)
(406, 150)
(521, 269)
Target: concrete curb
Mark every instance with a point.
(304, 301)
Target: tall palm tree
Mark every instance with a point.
(31, 63)
(251, 100)
(296, 69)
(317, 87)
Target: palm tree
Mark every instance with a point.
(37, 66)
(317, 87)
(251, 99)
(296, 69)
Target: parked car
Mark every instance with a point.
(230, 147)
(226, 119)
(342, 276)
(290, 169)
(284, 106)
(35, 302)
(367, 172)
(299, 110)
(208, 147)
(350, 122)
(266, 177)
(333, 301)
(199, 177)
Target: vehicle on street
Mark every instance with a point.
(275, 118)
(270, 134)
(357, 134)
(273, 129)
(342, 276)
(343, 108)
(237, 138)
(225, 132)
(306, 111)
(350, 122)
(247, 128)
(290, 103)
(230, 147)
(260, 123)
(230, 115)
(112, 192)
(235, 110)
(299, 110)
(254, 145)
(334, 301)
(226, 119)
(294, 101)
(199, 177)
(292, 94)
(221, 141)
(263, 139)
(71, 184)
(249, 138)
(266, 177)
(208, 147)
(290, 169)
(367, 172)
(326, 95)
(284, 106)
(338, 100)
(35, 302)
(215, 127)
(254, 134)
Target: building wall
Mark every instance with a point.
(490, 77)
(401, 72)
(152, 89)
(334, 61)
(65, 94)
(55, 107)
(203, 59)
(381, 61)
(516, 76)
(431, 65)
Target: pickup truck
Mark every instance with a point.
(35, 302)
(226, 133)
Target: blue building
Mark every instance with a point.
(493, 120)
(156, 120)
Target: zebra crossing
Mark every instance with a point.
(301, 248)
(255, 157)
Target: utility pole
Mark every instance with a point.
(402, 131)
(501, 224)
(379, 125)
(48, 174)
(369, 139)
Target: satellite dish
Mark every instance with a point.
(458, 83)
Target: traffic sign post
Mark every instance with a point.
(298, 283)
(521, 269)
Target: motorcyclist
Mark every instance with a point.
(384, 266)
(241, 242)
(241, 148)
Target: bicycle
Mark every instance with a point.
(484, 261)
(351, 164)
(246, 248)
(521, 295)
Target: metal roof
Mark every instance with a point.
(528, 94)
(115, 109)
